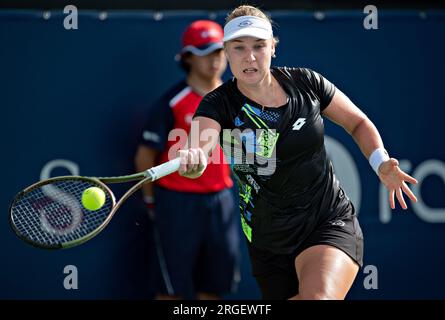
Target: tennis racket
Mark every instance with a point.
(49, 214)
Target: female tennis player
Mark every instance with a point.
(303, 236)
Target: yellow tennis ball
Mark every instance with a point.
(93, 198)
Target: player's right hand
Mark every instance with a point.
(193, 163)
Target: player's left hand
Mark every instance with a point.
(395, 180)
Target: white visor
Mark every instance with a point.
(247, 26)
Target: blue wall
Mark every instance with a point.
(81, 96)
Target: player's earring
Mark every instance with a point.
(274, 55)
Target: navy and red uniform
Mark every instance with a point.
(290, 198)
(195, 217)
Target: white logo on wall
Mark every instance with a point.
(57, 195)
(348, 175)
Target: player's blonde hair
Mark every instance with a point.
(246, 10)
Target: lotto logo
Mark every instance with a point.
(299, 123)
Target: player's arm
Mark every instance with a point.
(146, 158)
(345, 113)
(202, 139)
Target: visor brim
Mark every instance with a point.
(203, 50)
(249, 32)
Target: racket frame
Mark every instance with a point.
(147, 176)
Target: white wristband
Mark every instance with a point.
(377, 157)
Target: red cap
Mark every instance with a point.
(202, 37)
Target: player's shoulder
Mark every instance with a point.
(297, 73)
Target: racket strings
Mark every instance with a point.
(52, 214)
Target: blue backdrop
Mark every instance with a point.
(74, 101)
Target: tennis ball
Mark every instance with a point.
(93, 198)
